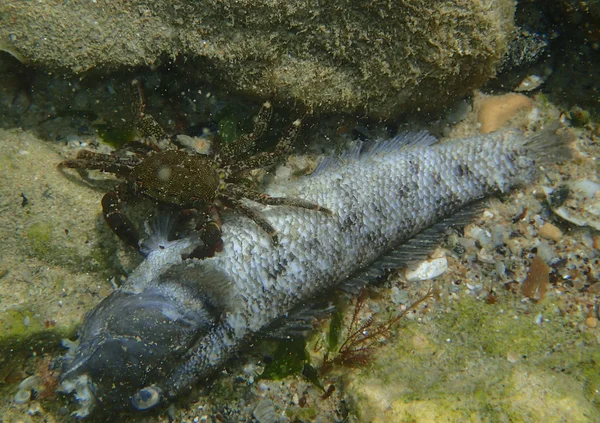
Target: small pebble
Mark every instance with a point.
(591, 322)
(399, 296)
(530, 83)
(466, 242)
(546, 252)
(596, 241)
(480, 235)
(30, 383)
(500, 268)
(265, 412)
(549, 231)
(35, 410)
(485, 257)
(500, 234)
(512, 357)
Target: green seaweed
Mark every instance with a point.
(24, 335)
(23, 329)
(493, 330)
(228, 129)
(115, 136)
(18, 323)
(312, 375)
(289, 359)
(39, 235)
(335, 330)
(302, 413)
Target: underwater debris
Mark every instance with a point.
(536, 284)
(530, 83)
(41, 385)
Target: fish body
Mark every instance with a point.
(174, 321)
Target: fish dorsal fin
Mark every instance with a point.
(361, 150)
(413, 251)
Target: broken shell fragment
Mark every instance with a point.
(582, 207)
(23, 394)
(428, 269)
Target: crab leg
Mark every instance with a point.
(253, 215)
(117, 221)
(147, 125)
(262, 198)
(233, 151)
(264, 159)
(209, 228)
(89, 160)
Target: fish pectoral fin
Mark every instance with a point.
(412, 251)
(299, 322)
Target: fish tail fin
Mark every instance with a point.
(551, 145)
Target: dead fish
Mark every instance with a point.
(175, 322)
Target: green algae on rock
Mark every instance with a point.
(379, 58)
(459, 367)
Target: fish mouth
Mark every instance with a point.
(82, 388)
(88, 377)
(129, 344)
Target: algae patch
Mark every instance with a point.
(39, 235)
(46, 242)
(23, 334)
(462, 364)
(18, 323)
(24, 330)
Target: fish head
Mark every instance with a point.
(131, 341)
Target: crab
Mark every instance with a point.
(188, 182)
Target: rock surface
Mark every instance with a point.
(53, 264)
(378, 58)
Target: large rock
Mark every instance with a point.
(378, 57)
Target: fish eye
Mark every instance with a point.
(146, 398)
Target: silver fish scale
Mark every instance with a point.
(378, 201)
